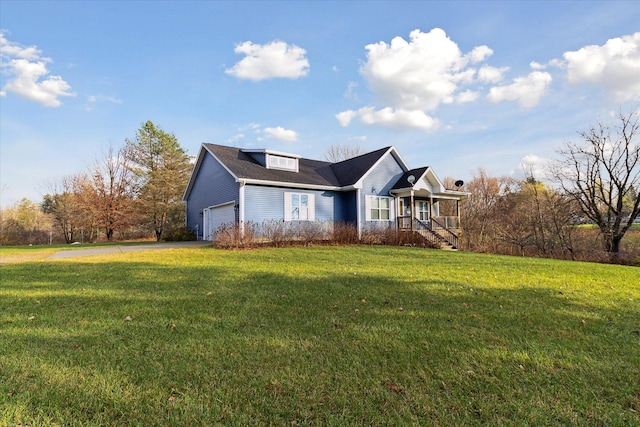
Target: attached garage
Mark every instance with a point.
(215, 216)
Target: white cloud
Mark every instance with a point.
(615, 66)
(362, 138)
(411, 78)
(272, 60)
(346, 117)
(397, 119)
(351, 93)
(419, 74)
(553, 63)
(235, 138)
(479, 53)
(281, 134)
(526, 90)
(93, 100)
(31, 77)
(533, 165)
(467, 96)
(490, 74)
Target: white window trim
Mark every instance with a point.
(426, 204)
(311, 201)
(367, 208)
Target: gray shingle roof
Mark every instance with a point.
(404, 183)
(311, 172)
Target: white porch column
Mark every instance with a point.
(412, 210)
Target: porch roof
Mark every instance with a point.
(424, 182)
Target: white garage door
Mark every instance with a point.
(215, 216)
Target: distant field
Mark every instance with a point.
(317, 336)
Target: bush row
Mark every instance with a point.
(304, 233)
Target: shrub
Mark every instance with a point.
(180, 234)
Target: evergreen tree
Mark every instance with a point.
(162, 169)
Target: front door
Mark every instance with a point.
(422, 210)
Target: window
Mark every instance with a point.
(378, 208)
(286, 163)
(299, 207)
(423, 210)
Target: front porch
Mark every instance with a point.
(441, 231)
(433, 215)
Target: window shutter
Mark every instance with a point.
(367, 208)
(392, 209)
(287, 206)
(312, 207)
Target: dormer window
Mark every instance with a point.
(281, 162)
(274, 159)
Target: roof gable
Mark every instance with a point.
(352, 171)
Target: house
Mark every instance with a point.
(237, 185)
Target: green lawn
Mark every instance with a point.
(318, 336)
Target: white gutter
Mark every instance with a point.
(250, 181)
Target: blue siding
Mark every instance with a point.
(212, 186)
(349, 206)
(379, 181)
(264, 203)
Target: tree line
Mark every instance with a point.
(130, 192)
(586, 209)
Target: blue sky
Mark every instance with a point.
(453, 85)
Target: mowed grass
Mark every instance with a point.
(318, 336)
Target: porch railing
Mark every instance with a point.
(446, 222)
(440, 226)
(435, 231)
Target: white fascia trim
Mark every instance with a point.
(400, 159)
(232, 202)
(268, 151)
(453, 194)
(194, 170)
(222, 163)
(289, 184)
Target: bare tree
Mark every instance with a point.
(480, 211)
(339, 152)
(63, 204)
(603, 175)
(109, 189)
